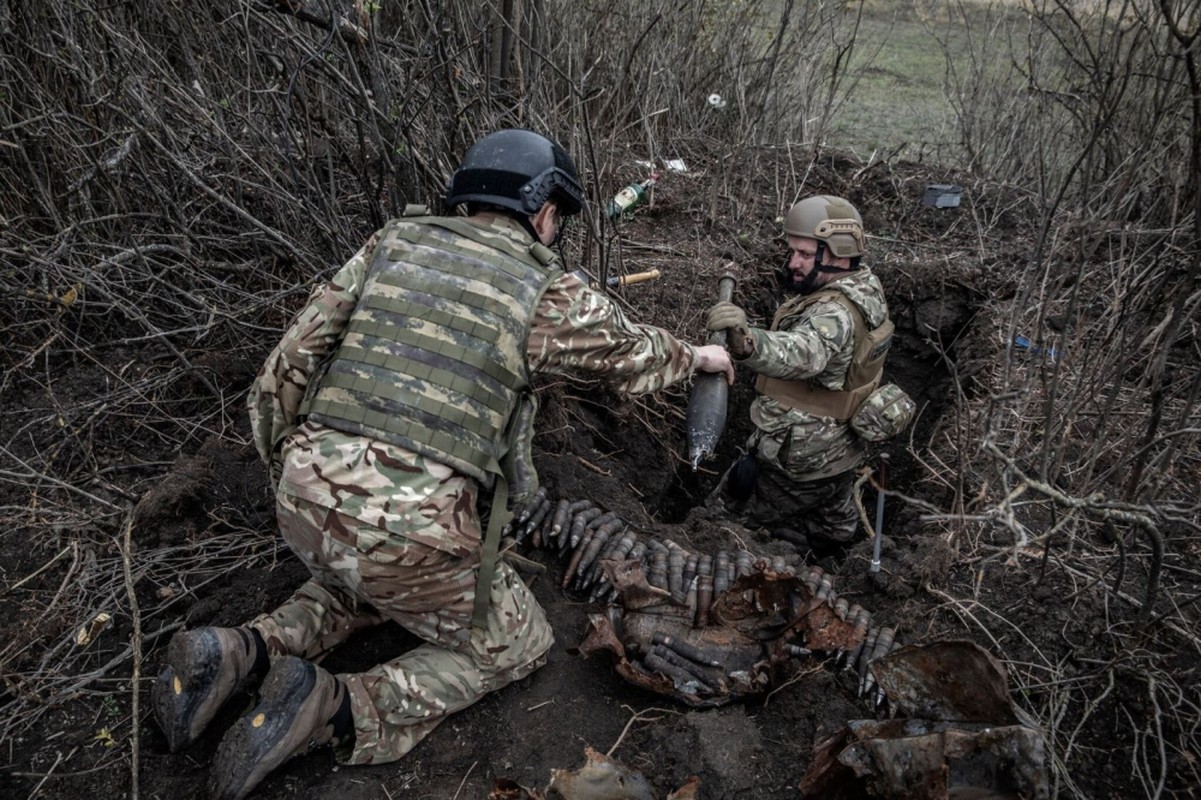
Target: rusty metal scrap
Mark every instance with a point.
(961, 738)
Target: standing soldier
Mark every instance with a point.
(400, 391)
(818, 366)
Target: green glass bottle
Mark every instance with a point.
(629, 197)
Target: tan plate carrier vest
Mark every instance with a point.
(430, 363)
(863, 375)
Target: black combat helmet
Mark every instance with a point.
(518, 170)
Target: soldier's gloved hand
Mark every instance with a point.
(726, 316)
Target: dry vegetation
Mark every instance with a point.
(173, 177)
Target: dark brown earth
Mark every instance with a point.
(205, 551)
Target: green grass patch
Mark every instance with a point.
(894, 96)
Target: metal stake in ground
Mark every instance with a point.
(710, 395)
(881, 490)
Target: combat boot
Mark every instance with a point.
(204, 668)
(300, 707)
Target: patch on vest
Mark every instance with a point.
(826, 328)
(879, 350)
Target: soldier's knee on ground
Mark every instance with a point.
(797, 539)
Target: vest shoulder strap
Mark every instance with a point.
(536, 253)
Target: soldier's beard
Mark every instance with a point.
(803, 285)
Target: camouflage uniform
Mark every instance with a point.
(807, 462)
(390, 534)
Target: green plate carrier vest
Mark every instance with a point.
(433, 357)
(863, 375)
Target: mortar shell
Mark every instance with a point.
(824, 590)
(841, 605)
(692, 668)
(595, 571)
(883, 644)
(742, 566)
(657, 576)
(777, 563)
(662, 666)
(869, 644)
(637, 551)
(543, 533)
(603, 519)
(690, 564)
(704, 599)
(675, 573)
(576, 555)
(688, 651)
(535, 519)
(578, 524)
(562, 514)
(862, 627)
(721, 584)
(533, 505)
(599, 537)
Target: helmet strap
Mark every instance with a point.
(524, 221)
(809, 282)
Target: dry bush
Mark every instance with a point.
(1076, 442)
(1095, 382)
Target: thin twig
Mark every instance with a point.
(136, 647)
(639, 716)
(464, 781)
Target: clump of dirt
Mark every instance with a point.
(217, 479)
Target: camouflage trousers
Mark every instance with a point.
(823, 509)
(363, 575)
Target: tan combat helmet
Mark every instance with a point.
(831, 220)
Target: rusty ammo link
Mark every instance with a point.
(590, 537)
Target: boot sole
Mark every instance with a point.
(192, 661)
(257, 743)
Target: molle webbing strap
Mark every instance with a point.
(410, 282)
(391, 398)
(473, 386)
(414, 427)
(461, 265)
(397, 305)
(542, 254)
(427, 344)
(808, 396)
(490, 552)
(418, 250)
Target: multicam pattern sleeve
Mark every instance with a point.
(280, 386)
(577, 329)
(806, 345)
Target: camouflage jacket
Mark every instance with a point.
(816, 344)
(574, 330)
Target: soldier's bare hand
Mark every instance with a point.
(726, 316)
(714, 358)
